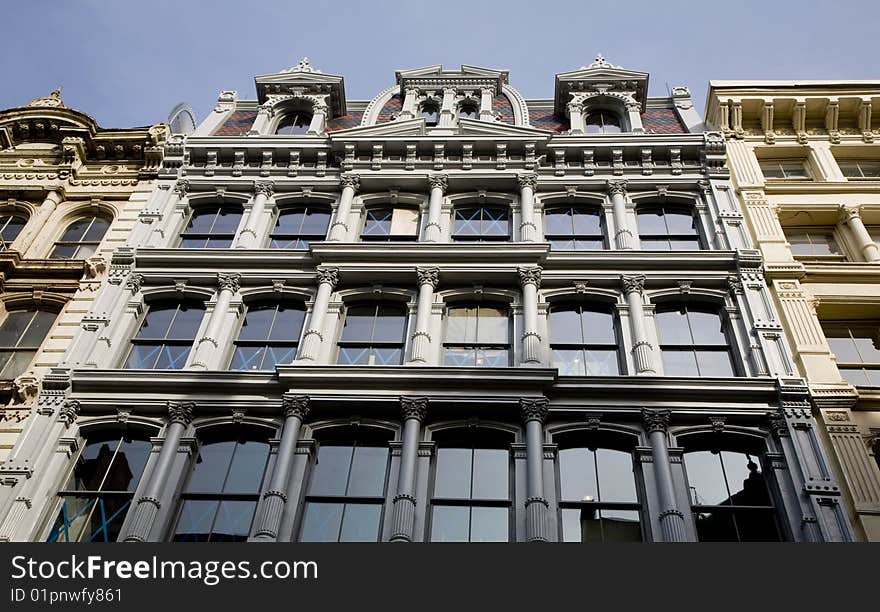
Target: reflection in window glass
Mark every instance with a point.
(294, 124)
(21, 335)
(602, 122)
(11, 225)
(81, 238)
(166, 336)
(668, 228)
(784, 169)
(211, 227)
(386, 223)
(431, 113)
(693, 341)
(373, 334)
(856, 347)
(860, 168)
(469, 110)
(269, 336)
(477, 335)
(583, 340)
(481, 223)
(812, 242)
(574, 228)
(297, 227)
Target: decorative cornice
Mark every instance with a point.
(295, 406)
(656, 420)
(534, 409)
(428, 276)
(181, 412)
(69, 412)
(530, 275)
(328, 276)
(134, 282)
(413, 407)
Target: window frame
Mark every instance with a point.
(290, 119)
(432, 104)
(581, 306)
(671, 208)
(389, 237)
(302, 240)
(866, 367)
(372, 344)
(17, 347)
(267, 343)
(699, 306)
(845, 161)
(482, 209)
(81, 243)
(602, 113)
(475, 346)
(7, 217)
(575, 210)
(809, 231)
(780, 163)
(203, 209)
(164, 341)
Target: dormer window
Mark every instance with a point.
(431, 113)
(294, 124)
(602, 122)
(468, 110)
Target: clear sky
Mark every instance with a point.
(127, 63)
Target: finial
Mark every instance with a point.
(53, 100)
(303, 66)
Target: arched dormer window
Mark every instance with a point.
(386, 223)
(11, 225)
(602, 122)
(468, 110)
(81, 238)
(373, 334)
(294, 123)
(668, 227)
(430, 113)
(166, 335)
(269, 335)
(693, 340)
(298, 226)
(481, 223)
(211, 226)
(21, 334)
(575, 228)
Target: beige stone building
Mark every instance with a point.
(805, 160)
(70, 194)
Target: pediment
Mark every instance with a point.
(406, 127)
(487, 128)
(601, 76)
(303, 79)
(466, 77)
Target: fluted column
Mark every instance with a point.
(530, 280)
(263, 190)
(438, 183)
(850, 216)
(642, 351)
(487, 95)
(623, 237)
(534, 413)
(350, 185)
(413, 410)
(528, 231)
(295, 409)
(314, 336)
(421, 338)
(228, 285)
(180, 415)
(672, 523)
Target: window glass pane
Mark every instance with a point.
(248, 357)
(368, 472)
(405, 222)
(390, 323)
(354, 356)
(289, 221)
(492, 358)
(316, 222)
(705, 478)
(601, 362)
(655, 244)
(186, 323)
(745, 480)
(288, 323)
(171, 357)
(360, 523)
(707, 328)
(76, 230)
(233, 522)
(489, 524)
(11, 228)
(587, 222)
(467, 221)
(226, 222)
(495, 222)
(359, 323)
(672, 327)
(844, 348)
(565, 326)
(617, 483)
(570, 362)
(691, 244)
(571, 524)
(459, 357)
(679, 363)
(577, 475)
(248, 466)
(17, 363)
(257, 322)
(450, 523)
(453, 477)
(142, 357)
(330, 474)
(714, 363)
(857, 377)
(558, 221)
(650, 222)
(491, 476)
(865, 341)
(196, 518)
(680, 222)
(278, 355)
(716, 526)
(210, 468)
(378, 221)
(492, 328)
(461, 325)
(97, 230)
(620, 525)
(97, 470)
(321, 522)
(598, 327)
(201, 221)
(14, 325)
(757, 526)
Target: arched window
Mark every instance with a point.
(11, 225)
(730, 498)
(575, 228)
(693, 340)
(347, 487)
(668, 228)
(211, 227)
(221, 494)
(602, 122)
(98, 494)
(21, 334)
(388, 223)
(583, 340)
(166, 336)
(294, 124)
(469, 110)
(471, 499)
(481, 223)
(269, 335)
(81, 238)
(598, 493)
(431, 113)
(477, 335)
(373, 334)
(298, 226)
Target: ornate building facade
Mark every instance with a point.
(71, 192)
(444, 314)
(806, 165)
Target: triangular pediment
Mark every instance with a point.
(303, 79)
(405, 127)
(600, 75)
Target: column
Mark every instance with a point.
(576, 119)
(413, 410)
(850, 216)
(180, 415)
(173, 214)
(350, 185)
(411, 95)
(634, 115)
(263, 190)
(447, 108)
(36, 223)
(319, 120)
(671, 519)
(421, 338)
(642, 351)
(439, 184)
(487, 95)
(623, 237)
(229, 285)
(314, 336)
(528, 231)
(530, 279)
(534, 414)
(295, 409)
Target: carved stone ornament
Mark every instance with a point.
(778, 426)
(530, 276)
(634, 283)
(534, 409)
(428, 276)
(413, 407)
(295, 406)
(181, 412)
(328, 276)
(617, 187)
(229, 282)
(734, 285)
(134, 282)
(181, 187)
(656, 420)
(351, 180)
(266, 188)
(25, 389)
(717, 423)
(53, 100)
(527, 180)
(439, 181)
(69, 412)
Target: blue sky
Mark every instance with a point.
(128, 63)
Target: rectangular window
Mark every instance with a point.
(860, 168)
(857, 349)
(813, 242)
(786, 169)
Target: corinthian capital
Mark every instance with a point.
(181, 187)
(530, 275)
(656, 420)
(295, 406)
(634, 283)
(527, 180)
(428, 276)
(534, 409)
(229, 282)
(181, 412)
(351, 180)
(439, 181)
(413, 407)
(617, 187)
(848, 213)
(266, 188)
(329, 276)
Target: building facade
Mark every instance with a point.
(70, 193)
(444, 314)
(806, 165)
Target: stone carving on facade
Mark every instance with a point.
(351, 180)
(266, 188)
(527, 181)
(530, 276)
(617, 187)
(413, 407)
(69, 412)
(295, 406)
(534, 409)
(438, 181)
(229, 282)
(328, 276)
(181, 412)
(633, 283)
(428, 276)
(656, 420)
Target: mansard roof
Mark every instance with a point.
(598, 76)
(303, 79)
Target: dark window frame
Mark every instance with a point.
(81, 243)
(847, 165)
(867, 367)
(786, 174)
(387, 236)
(373, 343)
(18, 347)
(580, 307)
(669, 237)
(705, 307)
(476, 347)
(268, 343)
(299, 120)
(482, 210)
(215, 210)
(573, 237)
(164, 342)
(603, 125)
(7, 218)
(302, 240)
